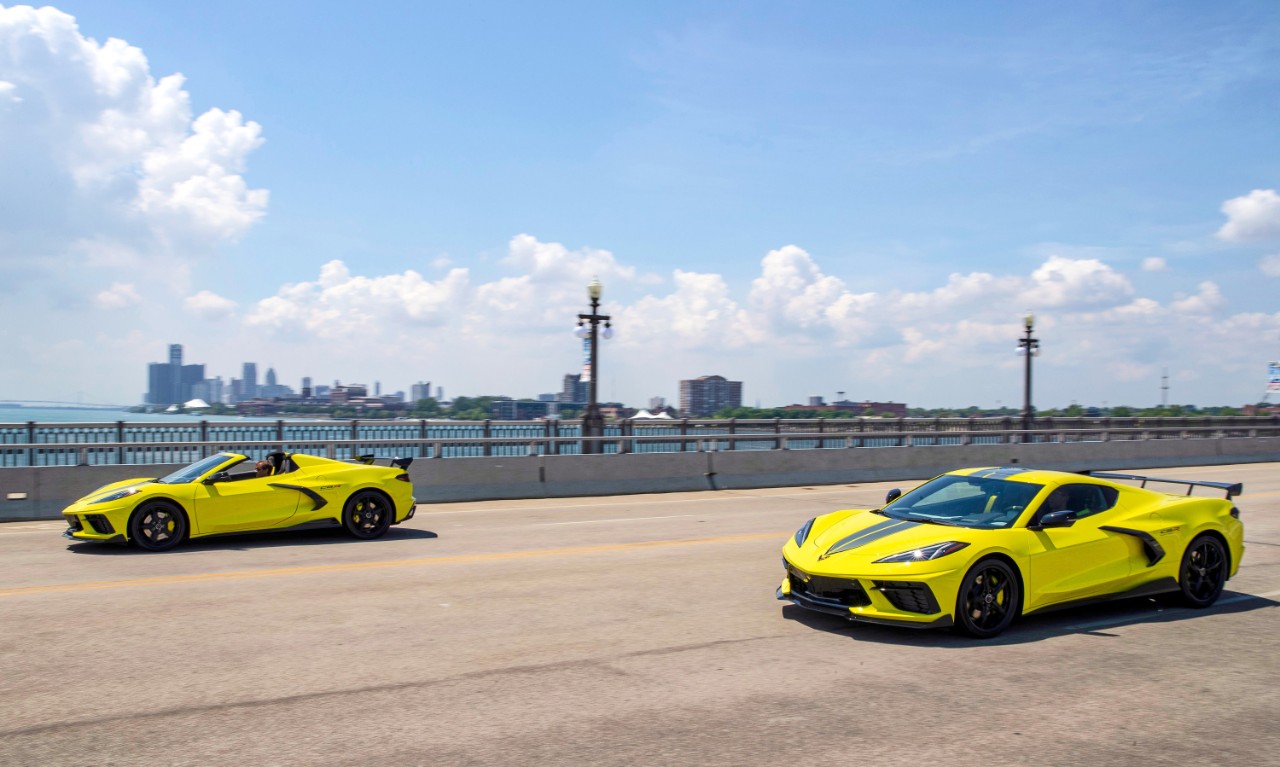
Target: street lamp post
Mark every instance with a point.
(1028, 347)
(592, 420)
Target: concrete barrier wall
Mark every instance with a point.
(47, 490)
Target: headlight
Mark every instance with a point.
(117, 495)
(803, 532)
(925, 553)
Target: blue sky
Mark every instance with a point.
(808, 197)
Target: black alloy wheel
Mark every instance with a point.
(158, 526)
(988, 600)
(367, 514)
(1203, 572)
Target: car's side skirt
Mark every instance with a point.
(315, 524)
(1148, 589)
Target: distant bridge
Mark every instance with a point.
(55, 403)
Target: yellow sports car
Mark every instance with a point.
(975, 548)
(226, 493)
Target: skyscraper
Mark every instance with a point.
(249, 378)
(170, 383)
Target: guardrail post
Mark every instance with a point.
(777, 429)
(82, 456)
(733, 429)
(684, 432)
(422, 437)
(280, 435)
(120, 442)
(488, 432)
(627, 429)
(31, 440)
(967, 439)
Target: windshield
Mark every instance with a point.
(194, 471)
(965, 501)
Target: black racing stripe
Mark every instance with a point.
(869, 535)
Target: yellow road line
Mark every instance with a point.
(239, 575)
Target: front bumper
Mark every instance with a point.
(913, 603)
(95, 526)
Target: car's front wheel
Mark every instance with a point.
(158, 526)
(988, 599)
(1203, 572)
(367, 514)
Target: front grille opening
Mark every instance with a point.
(909, 597)
(73, 522)
(846, 592)
(99, 524)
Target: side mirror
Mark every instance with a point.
(1063, 518)
(221, 476)
(892, 495)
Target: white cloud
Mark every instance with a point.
(124, 167)
(1270, 265)
(1252, 218)
(210, 306)
(792, 291)
(1153, 264)
(698, 314)
(341, 305)
(1208, 299)
(119, 296)
(1064, 282)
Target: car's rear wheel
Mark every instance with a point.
(158, 526)
(1203, 572)
(988, 599)
(367, 514)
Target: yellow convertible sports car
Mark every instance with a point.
(225, 493)
(975, 548)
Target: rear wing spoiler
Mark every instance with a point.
(402, 463)
(1231, 489)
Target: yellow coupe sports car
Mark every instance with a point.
(225, 493)
(975, 548)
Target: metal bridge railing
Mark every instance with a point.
(117, 444)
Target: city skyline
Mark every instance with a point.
(809, 198)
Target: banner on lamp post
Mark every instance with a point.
(1273, 377)
(586, 360)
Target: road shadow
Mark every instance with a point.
(1093, 620)
(328, 536)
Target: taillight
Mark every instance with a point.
(402, 477)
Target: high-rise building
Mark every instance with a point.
(306, 387)
(249, 380)
(706, 395)
(420, 391)
(171, 382)
(271, 376)
(575, 389)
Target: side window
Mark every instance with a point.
(1087, 500)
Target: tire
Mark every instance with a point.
(367, 514)
(1203, 572)
(988, 601)
(157, 526)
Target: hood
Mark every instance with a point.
(112, 487)
(863, 537)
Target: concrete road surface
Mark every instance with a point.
(637, 630)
